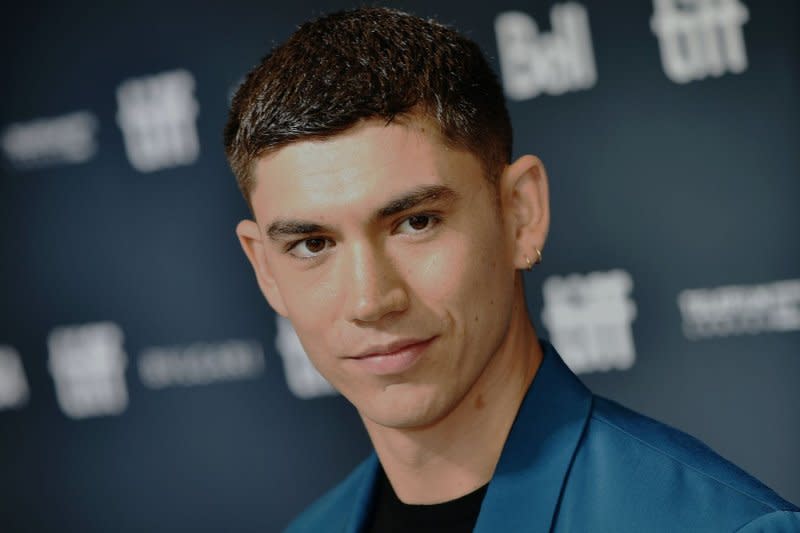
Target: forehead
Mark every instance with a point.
(360, 167)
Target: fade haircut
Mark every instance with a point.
(368, 63)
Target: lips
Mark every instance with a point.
(389, 349)
(392, 358)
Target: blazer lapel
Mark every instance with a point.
(524, 492)
(362, 498)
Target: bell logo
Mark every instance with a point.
(700, 38)
(589, 318)
(88, 363)
(157, 116)
(303, 379)
(553, 63)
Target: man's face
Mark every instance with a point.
(377, 238)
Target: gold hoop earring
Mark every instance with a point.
(530, 263)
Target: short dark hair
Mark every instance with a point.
(361, 64)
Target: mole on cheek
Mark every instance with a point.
(479, 402)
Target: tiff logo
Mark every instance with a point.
(157, 115)
(14, 390)
(303, 379)
(589, 318)
(554, 63)
(700, 38)
(740, 309)
(88, 363)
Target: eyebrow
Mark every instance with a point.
(284, 228)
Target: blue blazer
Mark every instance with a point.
(576, 462)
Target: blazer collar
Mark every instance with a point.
(524, 492)
(362, 501)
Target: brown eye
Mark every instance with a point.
(308, 248)
(418, 222)
(315, 245)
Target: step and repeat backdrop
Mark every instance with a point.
(145, 385)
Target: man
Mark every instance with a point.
(391, 228)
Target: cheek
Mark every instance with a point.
(307, 293)
(461, 271)
(480, 290)
(312, 308)
(436, 277)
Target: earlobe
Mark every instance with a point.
(252, 244)
(528, 210)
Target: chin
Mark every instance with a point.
(405, 406)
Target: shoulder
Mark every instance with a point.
(334, 510)
(676, 449)
(655, 472)
(777, 522)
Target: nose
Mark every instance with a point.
(372, 284)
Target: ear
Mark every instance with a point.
(526, 208)
(253, 245)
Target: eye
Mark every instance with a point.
(309, 248)
(418, 223)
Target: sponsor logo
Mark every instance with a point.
(14, 390)
(88, 363)
(700, 38)
(740, 309)
(589, 319)
(157, 115)
(200, 363)
(554, 63)
(44, 142)
(302, 378)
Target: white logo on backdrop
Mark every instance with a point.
(589, 318)
(699, 38)
(13, 385)
(157, 115)
(44, 142)
(303, 379)
(88, 363)
(200, 363)
(740, 309)
(555, 62)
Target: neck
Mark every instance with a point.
(459, 453)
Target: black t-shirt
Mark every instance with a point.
(390, 515)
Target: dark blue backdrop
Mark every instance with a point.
(141, 387)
